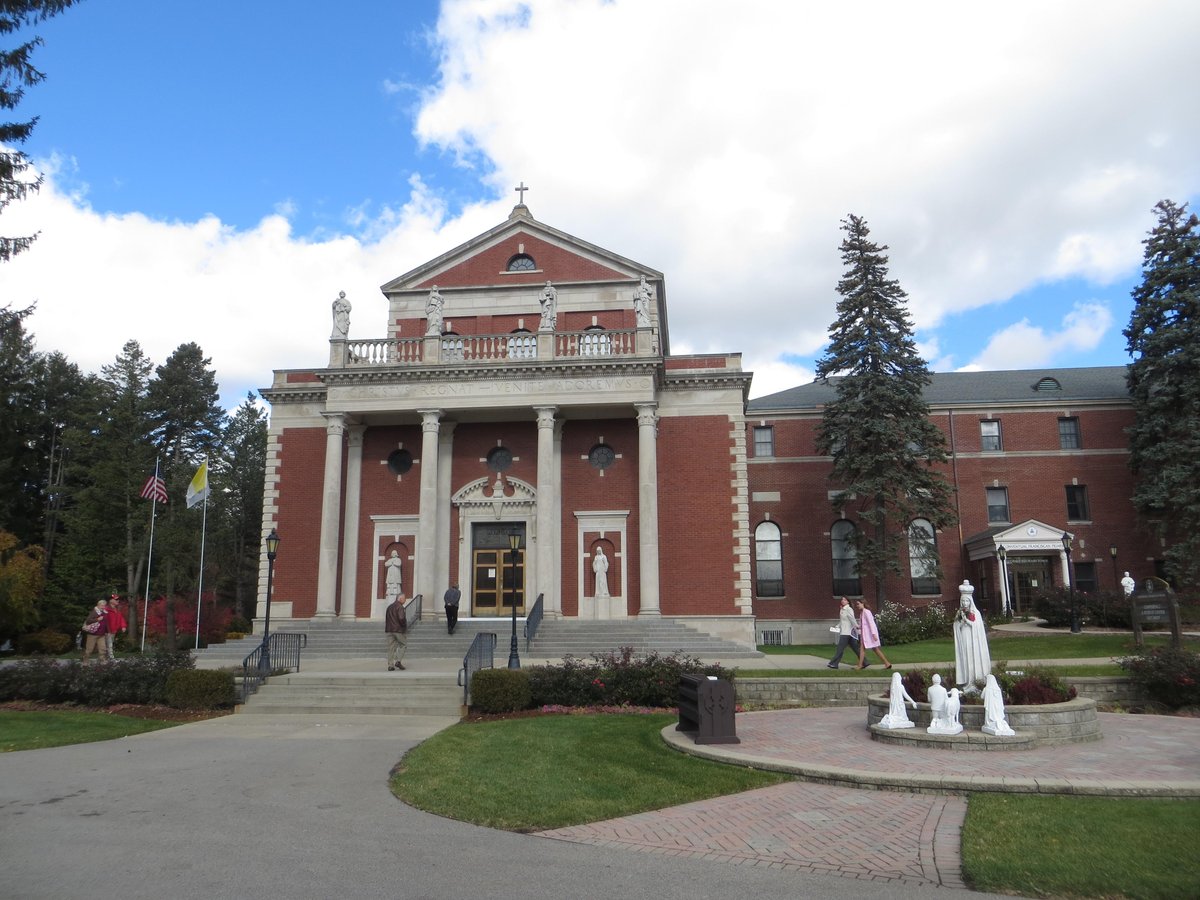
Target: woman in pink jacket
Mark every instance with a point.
(868, 636)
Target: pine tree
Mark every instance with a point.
(16, 74)
(885, 448)
(1164, 383)
(238, 472)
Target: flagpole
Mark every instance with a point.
(203, 532)
(150, 554)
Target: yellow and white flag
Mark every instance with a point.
(197, 491)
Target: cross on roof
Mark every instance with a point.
(521, 189)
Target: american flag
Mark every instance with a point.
(155, 489)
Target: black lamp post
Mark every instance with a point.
(1075, 627)
(1008, 607)
(264, 660)
(514, 544)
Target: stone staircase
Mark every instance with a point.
(385, 694)
(428, 640)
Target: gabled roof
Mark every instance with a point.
(949, 388)
(560, 257)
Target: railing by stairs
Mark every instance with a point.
(480, 655)
(533, 619)
(282, 653)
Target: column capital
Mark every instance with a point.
(335, 423)
(355, 434)
(431, 419)
(647, 413)
(545, 416)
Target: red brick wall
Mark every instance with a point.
(298, 521)
(555, 264)
(583, 487)
(695, 516)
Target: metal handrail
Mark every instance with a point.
(283, 653)
(533, 619)
(479, 656)
(412, 610)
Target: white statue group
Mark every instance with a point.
(972, 661)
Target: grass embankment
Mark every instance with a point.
(1082, 846)
(37, 729)
(1004, 646)
(588, 768)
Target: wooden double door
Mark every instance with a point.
(497, 574)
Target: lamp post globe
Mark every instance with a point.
(514, 545)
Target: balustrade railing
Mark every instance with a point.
(480, 655)
(282, 652)
(533, 619)
(486, 348)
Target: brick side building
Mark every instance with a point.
(522, 385)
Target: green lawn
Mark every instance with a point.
(1002, 645)
(588, 768)
(36, 729)
(1082, 846)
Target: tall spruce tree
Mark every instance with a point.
(885, 449)
(238, 473)
(1164, 383)
(16, 74)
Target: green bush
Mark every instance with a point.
(617, 678)
(237, 623)
(140, 680)
(1036, 685)
(500, 690)
(200, 689)
(1102, 609)
(901, 624)
(1169, 676)
(47, 641)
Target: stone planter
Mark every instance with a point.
(1072, 722)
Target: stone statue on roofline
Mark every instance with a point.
(341, 317)
(643, 297)
(434, 311)
(549, 303)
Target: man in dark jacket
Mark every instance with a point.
(451, 602)
(395, 623)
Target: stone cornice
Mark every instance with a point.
(306, 394)
(476, 372)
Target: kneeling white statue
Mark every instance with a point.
(897, 715)
(994, 721)
(939, 721)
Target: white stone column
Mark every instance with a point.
(424, 580)
(647, 420)
(547, 515)
(331, 507)
(434, 610)
(354, 445)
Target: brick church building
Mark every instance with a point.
(522, 388)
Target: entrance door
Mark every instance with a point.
(496, 583)
(1028, 577)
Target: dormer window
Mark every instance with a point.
(1048, 384)
(522, 262)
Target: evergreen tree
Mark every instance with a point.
(16, 74)
(20, 496)
(238, 473)
(885, 449)
(186, 424)
(1164, 383)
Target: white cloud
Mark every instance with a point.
(1022, 345)
(994, 149)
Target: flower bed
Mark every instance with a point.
(1070, 722)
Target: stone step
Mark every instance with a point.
(333, 694)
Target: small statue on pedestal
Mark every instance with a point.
(939, 721)
(897, 715)
(993, 710)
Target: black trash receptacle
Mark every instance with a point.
(706, 710)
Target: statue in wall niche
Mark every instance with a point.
(434, 307)
(643, 296)
(972, 659)
(897, 715)
(549, 302)
(600, 570)
(394, 580)
(994, 721)
(341, 317)
(939, 721)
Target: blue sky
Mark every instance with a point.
(218, 171)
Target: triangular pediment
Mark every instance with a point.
(1024, 537)
(482, 262)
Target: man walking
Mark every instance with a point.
(395, 624)
(114, 623)
(451, 602)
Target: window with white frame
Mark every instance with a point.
(768, 558)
